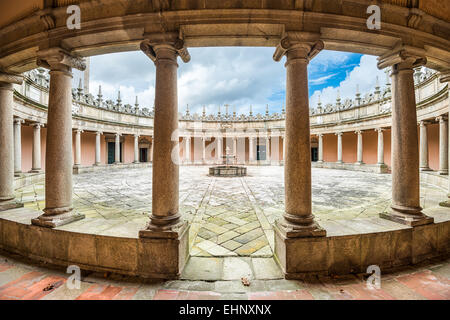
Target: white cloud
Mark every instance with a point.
(364, 75)
(322, 80)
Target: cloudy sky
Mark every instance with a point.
(236, 76)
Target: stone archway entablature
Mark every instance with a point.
(226, 23)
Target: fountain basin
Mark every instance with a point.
(227, 171)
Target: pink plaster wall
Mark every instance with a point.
(349, 147)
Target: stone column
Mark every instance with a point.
(78, 147)
(18, 146)
(36, 156)
(251, 156)
(136, 148)
(7, 141)
(380, 146)
(151, 150)
(59, 159)
(97, 148)
(359, 151)
(298, 220)
(405, 147)
(339, 147)
(165, 220)
(203, 150)
(219, 149)
(117, 148)
(187, 150)
(443, 144)
(268, 149)
(284, 147)
(320, 147)
(423, 154)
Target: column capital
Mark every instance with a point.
(10, 78)
(402, 57)
(136, 135)
(118, 134)
(424, 123)
(339, 133)
(358, 132)
(320, 135)
(379, 130)
(155, 43)
(442, 118)
(37, 125)
(18, 120)
(99, 132)
(306, 45)
(77, 130)
(59, 59)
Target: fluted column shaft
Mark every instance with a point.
(18, 145)
(443, 145)
(423, 146)
(97, 148)
(339, 147)
(36, 155)
(7, 141)
(320, 148)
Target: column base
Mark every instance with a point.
(290, 230)
(53, 221)
(339, 162)
(97, 164)
(136, 162)
(359, 163)
(10, 204)
(18, 174)
(164, 253)
(299, 256)
(412, 220)
(36, 171)
(443, 172)
(425, 169)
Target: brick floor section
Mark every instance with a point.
(423, 283)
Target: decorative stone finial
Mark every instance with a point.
(119, 101)
(204, 112)
(187, 110)
(251, 111)
(267, 110)
(136, 104)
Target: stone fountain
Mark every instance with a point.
(228, 170)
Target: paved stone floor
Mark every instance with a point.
(229, 216)
(20, 280)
